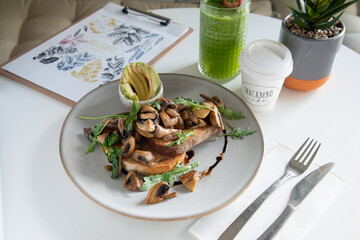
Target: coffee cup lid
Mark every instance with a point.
(266, 57)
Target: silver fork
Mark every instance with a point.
(298, 164)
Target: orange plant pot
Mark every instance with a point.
(304, 85)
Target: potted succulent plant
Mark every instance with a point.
(314, 35)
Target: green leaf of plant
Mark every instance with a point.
(113, 156)
(238, 133)
(338, 9)
(112, 139)
(97, 131)
(300, 22)
(311, 11)
(169, 177)
(123, 115)
(323, 7)
(336, 3)
(132, 115)
(299, 5)
(181, 138)
(231, 114)
(304, 16)
(328, 24)
(190, 102)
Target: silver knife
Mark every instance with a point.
(298, 194)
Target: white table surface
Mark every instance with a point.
(40, 201)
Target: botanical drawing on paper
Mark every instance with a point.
(78, 53)
(89, 72)
(131, 35)
(140, 50)
(102, 25)
(114, 68)
(72, 61)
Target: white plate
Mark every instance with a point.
(226, 182)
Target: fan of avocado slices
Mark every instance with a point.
(139, 81)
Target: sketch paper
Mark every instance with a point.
(94, 51)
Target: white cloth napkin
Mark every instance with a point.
(273, 165)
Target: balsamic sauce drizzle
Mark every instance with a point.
(218, 158)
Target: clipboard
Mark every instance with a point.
(93, 51)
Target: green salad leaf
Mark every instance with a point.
(120, 115)
(190, 102)
(97, 131)
(169, 177)
(182, 137)
(238, 133)
(231, 114)
(132, 115)
(112, 139)
(156, 105)
(113, 156)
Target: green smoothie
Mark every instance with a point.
(222, 37)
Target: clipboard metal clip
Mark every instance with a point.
(164, 21)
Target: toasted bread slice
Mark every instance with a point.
(161, 164)
(199, 135)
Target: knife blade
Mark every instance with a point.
(298, 194)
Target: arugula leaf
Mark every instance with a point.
(112, 139)
(182, 137)
(97, 131)
(231, 114)
(156, 105)
(169, 177)
(113, 156)
(132, 115)
(237, 133)
(120, 115)
(190, 102)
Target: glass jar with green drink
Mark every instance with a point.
(222, 37)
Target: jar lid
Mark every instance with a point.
(266, 57)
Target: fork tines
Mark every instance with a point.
(303, 158)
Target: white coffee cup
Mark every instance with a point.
(264, 66)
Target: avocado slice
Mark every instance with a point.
(139, 81)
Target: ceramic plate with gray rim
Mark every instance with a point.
(226, 182)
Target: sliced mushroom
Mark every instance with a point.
(148, 115)
(147, 109)
(128, 146)
(165, 102)
(101, 138)
(215, 119)
(172, 112)
(190, 179)
(112, 123)
(216, 100)
(147, 112)
(194, 122)
(146, 126)
(168, 121)
(144, 133)
(133, 181)
(137, 137)
(185, 113)
(171, 137)
(203, 112)
(180, 124)
(124, 133)
(194, 118)
(158, 193)
(160, 132)
(201, 123)
(144, 157)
